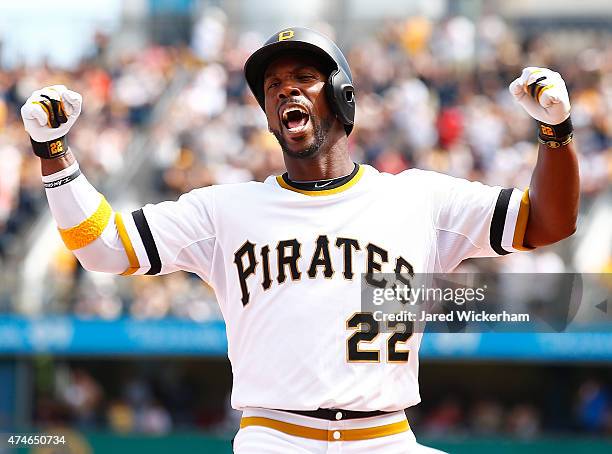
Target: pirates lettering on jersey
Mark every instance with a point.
(348, 245)
(247, 250)
(288, 259)
(288, 264)
(321, 258)
(376, 257)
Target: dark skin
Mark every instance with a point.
(553, 192)
(554, 196)
(292, 80)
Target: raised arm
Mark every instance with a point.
(554, 190)
(85, 220)
(154, 239)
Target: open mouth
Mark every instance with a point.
(295, 118)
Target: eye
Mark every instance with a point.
(305, 77)
(273, 84)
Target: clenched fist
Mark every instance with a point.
(542, 93)
(48, 114)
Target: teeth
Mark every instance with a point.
(293, 109)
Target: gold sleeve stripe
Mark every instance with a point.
(127, 245)
(521, 224)
(312, 433)
(87, 231)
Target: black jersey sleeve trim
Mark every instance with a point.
(147, 240)
(499, 221)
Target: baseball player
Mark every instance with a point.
(311, 372)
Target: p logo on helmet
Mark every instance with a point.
(285, 34)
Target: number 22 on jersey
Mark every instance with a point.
(366, 329)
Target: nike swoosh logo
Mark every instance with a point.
(317, 185)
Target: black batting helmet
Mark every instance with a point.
(339, 87)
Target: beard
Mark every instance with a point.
(320, 128)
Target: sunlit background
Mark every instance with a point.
(138, 364)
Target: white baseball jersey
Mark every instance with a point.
(286, 266)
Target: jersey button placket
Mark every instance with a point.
(336, 435)
(339, 415)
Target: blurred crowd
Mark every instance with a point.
(166, 401)
(591, 413)
(430, 95)
(118, 94)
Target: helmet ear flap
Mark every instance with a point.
(341, 95)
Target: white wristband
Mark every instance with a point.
(71, 169)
